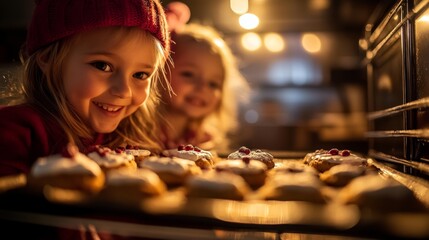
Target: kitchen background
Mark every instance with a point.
(309, 91)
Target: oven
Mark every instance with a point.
(396, 60)
(396, 46)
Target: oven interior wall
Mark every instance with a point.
(398, 87)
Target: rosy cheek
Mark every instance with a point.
(176, 85)
(218, 96)
(86, 89)
(141, 96)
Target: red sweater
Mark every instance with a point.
(25, 135)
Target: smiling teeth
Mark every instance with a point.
(108, 108)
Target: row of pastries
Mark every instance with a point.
(133, 174)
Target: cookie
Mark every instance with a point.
(257, 154)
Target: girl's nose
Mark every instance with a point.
(199, 84)
(120, 86)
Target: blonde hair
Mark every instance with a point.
(46, 93)
(235, 88)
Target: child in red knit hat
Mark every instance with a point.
(91, 77)
(207, 84)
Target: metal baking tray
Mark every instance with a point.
(213, 218)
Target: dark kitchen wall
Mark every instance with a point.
(14, 17)
(301, 100)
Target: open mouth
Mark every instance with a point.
(107, 107)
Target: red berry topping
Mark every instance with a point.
(189, 147)
(129, 146)
(102, 152)
(244, 150)
(70, 151)
(345, 153)
(181, 147)
(246, 160)
(334, 151)
(197, 149)
(119, 150)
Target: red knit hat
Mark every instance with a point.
(56, 19)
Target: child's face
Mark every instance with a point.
(197, 80)
(106, 80)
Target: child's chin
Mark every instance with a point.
(105, 129)
(197, 114)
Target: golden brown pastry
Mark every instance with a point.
(341, 175)
(254, 172)
(379, 193)
(172, 170)
(244, 152)
(126, 185)
(323, 160)
(202, 158)
(109, 159)
(291, 166)
(69, 170)
(215, 184)
(292, 187)
(139, 153)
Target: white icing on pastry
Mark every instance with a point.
(137, 152)
(57, 164)
(351, 159)
(174, 165)
(188, 154)
(106, 157)
(256, 155)
(338, 158)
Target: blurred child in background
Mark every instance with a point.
(208, 88)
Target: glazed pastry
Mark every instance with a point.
(292, 187)
(126, 185)
(215, 184)
(172, 170)
(254, 172)
(379, 193)
(203, 159)
(109, 159)
(139, 154)
(258, 154)
(341, 175)
(323, 160)
(69, 170)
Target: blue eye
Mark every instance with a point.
(102, 66)
(141, 75)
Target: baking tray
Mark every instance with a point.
(213, 218)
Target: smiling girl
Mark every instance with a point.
(92, 76)
(208, 89)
